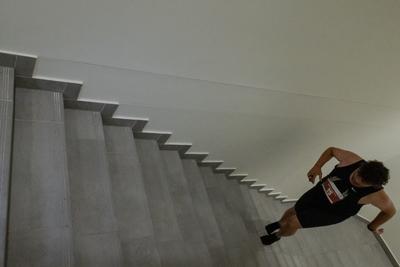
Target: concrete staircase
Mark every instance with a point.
(87, 189)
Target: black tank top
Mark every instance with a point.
(342, 196)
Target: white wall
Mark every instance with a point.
(316, 47)
(264, 85)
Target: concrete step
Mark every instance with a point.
(266, 251)
(95, 228)
(231, 226)
(39, 232)
(6, 127)
(205, 214)
(167, 236)
(196, 250)
(234, 196)
(129, 198)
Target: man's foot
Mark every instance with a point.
(269, 239)
(272, 227)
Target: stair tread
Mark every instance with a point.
(129, 198)
(183, 207)
(226, 222)
(204, 212)
(234, 193)
(233, 231)
(165, 223)
(6, 127)
(95, 229)
(39, 216)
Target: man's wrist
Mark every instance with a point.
(370, 228)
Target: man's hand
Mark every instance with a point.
(382, 201)
(379, 231)
(314, 172)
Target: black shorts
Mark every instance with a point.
(313, 209)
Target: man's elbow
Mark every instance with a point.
(390, 212)
(394, 211)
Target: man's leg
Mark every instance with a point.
(288, 213)
(272, 227)
(289, 226)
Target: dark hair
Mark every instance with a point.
(374, 172)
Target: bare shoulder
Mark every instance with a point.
(345, 157)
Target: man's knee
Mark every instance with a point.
(289, 226)
(291, 222)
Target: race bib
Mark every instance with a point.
(331, 190)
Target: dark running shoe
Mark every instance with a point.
(272, 227)
(269, 239)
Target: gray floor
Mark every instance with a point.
(84, 194)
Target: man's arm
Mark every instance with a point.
(324, 158)
(316, 169)
(344, 157)
(382, 201)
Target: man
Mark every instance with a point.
(353, 183)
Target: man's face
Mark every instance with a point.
(357, 180)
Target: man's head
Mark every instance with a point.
(373, 173)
